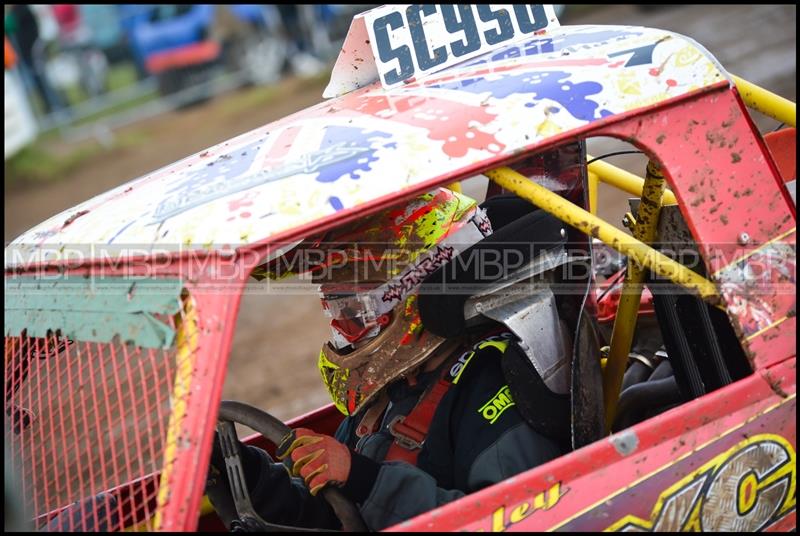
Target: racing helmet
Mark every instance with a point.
(369, 282)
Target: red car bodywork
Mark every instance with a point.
(634, 476)
(723, 461)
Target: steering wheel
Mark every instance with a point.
(276, 432)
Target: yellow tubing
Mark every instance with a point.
(766, 102)
(455, 187)
(623, 180)
(602, 230)
(646, 230)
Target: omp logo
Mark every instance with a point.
(745, 489)
(495, 407)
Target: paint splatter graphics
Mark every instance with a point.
(551, 85)
(344, 151)
(358, 148)
(372, 143)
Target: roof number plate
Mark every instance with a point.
(410, 41)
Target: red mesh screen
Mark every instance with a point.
(86, 425)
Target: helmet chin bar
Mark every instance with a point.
(525, 303)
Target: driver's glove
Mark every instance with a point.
(275, 496)
(318, 458)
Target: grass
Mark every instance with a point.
(117, 108)
(119, 76)
(39, 163)
(248, 98)
(49, 157)
(35, 164)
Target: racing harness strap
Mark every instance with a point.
(410, 431)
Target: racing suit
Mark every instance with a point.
(476, 438)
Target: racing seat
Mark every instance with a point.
(534, 295)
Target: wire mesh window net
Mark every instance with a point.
(87, 427)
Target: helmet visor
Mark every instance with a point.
(354, 318)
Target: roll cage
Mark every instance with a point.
(704, 152)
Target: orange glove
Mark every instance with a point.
(318, 458)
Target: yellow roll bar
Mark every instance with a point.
(624, 180)
(646, 230)
(766, 102)
(455, 187)
(592, 225)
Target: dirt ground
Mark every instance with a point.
(277, 339)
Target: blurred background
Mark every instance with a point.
(97, 95)
(85, 71)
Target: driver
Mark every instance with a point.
(417, 432)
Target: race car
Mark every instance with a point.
(120, 311)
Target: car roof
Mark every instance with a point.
(371, 146)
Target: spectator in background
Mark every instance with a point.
(10, 57)
(129, 16)
(105, 31)
(231, 32)
(22, 26)
(78, 43)
(68, 18)
(300, 57)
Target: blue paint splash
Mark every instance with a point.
(121, 231)
(226, 166)
(557, 43)
(551, 85)
(336, 203)
(352, 138)
(209, 179)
